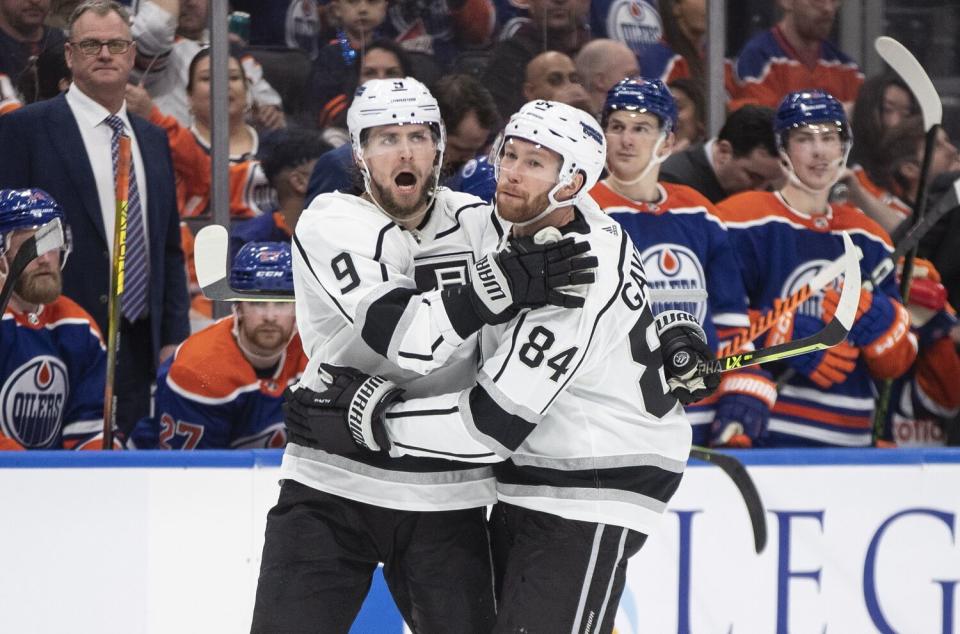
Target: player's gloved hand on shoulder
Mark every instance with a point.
(743, 409)
(527, 274)
(346, 417)
(683, 345)
(824, 367)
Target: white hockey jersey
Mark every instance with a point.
(368, 297)
(571, 403)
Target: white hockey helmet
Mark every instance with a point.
(394, 102)
(570, 132)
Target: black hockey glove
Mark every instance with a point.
(345, 417)
(529, 275)
(683, 345)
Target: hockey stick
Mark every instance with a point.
(831, 334)
(744, 483)
(911, 72)
(212, 243)
(122, 187)
(46, 239)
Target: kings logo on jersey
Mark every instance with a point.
(32, 401)
(635, 23)
(442, 271)
(800, 277)
(674, 266)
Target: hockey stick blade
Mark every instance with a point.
(46, 239)
(911, 72)
(210, 254)
(748, 490)
(831, 334)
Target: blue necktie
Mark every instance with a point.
(136, 267)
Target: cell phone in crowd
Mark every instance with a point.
(239, 24)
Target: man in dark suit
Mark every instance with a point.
(68, 147)
(742, 157)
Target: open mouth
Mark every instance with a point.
(406, 182)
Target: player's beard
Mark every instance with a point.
(269, 338)
(516, 210)
(396, 209)
(39, 287)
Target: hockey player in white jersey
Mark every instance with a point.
(392, 283)
(576, 409)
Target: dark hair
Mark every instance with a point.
(41, 78)
(458, 95)
(99, 7)
(747, 128)
(694, 91)
(866, 124)
(900, 144)
(680, 43)
(293, 149)
(204, 53)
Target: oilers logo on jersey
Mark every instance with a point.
(635, 23)
(32, 401)
(674, 266)
(799, 278)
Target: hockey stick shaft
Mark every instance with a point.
(911, 72)
(47, 238)
(116, 290)
(832, 334)
(745, 485)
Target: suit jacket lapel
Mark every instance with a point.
(65, 136)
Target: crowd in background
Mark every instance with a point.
(144, 72)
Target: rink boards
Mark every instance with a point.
(157, 542)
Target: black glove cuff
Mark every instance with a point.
(461, 311)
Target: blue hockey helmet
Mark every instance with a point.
(25, 209)
(476, 177)
(642, 95)
(263, 266)
(809, 107)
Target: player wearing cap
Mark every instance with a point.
(53, 363)
(576, 407)
(223, 388)
(396, 282)
(782, 239)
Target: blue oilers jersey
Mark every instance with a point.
(684, 246)
(210, 397)
(780, 249)
(52, 372)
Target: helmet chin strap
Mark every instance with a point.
(654, 161)
(400, 221)
(796, 182)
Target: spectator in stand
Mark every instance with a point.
(681, 245)
(335, 69)
(883, 103)
(250, 193)
(290, 23)
(784, 238)
(464, 102)
(169, 34)
(636, 24)
(555, 25)
(925, 399)
(680, 52)
(23, 35)
(795, 55)
(383, 59)
(287, 168)
(64, 147)
(47, 77)
(53, 363)
(742, 157)
(692, 113)
(601, 64)
(552, 76)
(223, 388)
(439, 29)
